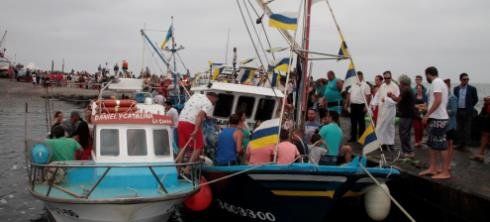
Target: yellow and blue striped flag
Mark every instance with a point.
(343, 51)
(265, 135)
(283, 22)
(246, 75)
(369, 140)
(350, 76)
(215, 70)
(167, 37)
(282, 65)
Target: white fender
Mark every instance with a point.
(377, 203)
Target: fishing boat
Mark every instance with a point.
(132, 175)
(288, 192)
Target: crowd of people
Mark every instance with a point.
(445, 115)
(442, 113)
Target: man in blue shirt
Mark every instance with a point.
(332, 96)
(229, 143)
(467, 97)
(332, 135)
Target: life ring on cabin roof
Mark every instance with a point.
(116, 102)
(118, 109)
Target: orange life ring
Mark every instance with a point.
(115, 102)
(117, 109)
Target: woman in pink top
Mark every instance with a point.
(286, 151)
(259, 156)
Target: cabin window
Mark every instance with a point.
(109, 142)
(245, 104)
(224, 105)
(136, 141)
(160, 142)
(265, 109)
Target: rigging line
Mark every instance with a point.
(405, 212)
(255, 47)
(181, 61)
(284, 33)
(249, 33)
(155, 63)
(255, 31)
(263, 29)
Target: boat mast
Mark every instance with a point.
(303, 99)
(173, 50)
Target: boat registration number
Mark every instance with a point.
(245, 212)
(65, 212)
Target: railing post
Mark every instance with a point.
(51, 180)
(97, 183)
(156, 178)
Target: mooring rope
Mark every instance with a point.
(405, 212)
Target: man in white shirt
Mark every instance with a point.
(385, 125)
(195, 111)
(359, 94)
(437, 119)
(171, 111)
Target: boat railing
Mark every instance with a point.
(53, 175)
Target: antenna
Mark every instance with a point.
(227, 46)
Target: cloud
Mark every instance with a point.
(403, 36)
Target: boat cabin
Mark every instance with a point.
(258, 103)
(127, 132)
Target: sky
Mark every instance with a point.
(402, 36)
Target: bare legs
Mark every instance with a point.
(433, 166)
(432, 170)
(446, 161)
(450, 149)
(485, 138)
(347, 151)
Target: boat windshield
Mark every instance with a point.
(160, 142)
(136, 142)
(109, 142)
(246, 104)
(266, 107)
(223, 105)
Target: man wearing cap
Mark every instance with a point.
(195, 111)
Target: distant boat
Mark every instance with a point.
(133, 175)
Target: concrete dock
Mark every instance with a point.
(464, 197)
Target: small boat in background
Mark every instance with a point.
(133, 175)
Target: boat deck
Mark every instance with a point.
(77, 191)
(112, 183)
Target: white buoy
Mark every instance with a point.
(148, 101)
(377, 203)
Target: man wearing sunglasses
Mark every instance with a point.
(385, 126)
(467, 99)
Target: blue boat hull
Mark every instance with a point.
(296, 193)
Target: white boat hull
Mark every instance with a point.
(140, 212)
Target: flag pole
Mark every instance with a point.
(284, 99)
(353, 65)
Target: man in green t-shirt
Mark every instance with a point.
(332, 135)
(62, 148)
